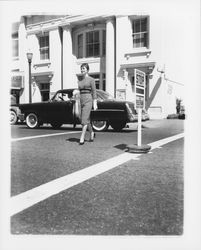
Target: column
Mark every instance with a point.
(110, 54)
(55, 58)
(23, 63)
(69, 76)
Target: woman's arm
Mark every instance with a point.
(94, 95)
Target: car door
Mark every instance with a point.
(109, 110)
(59, 111)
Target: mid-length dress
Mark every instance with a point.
(87, 89)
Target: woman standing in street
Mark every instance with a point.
(88, 99)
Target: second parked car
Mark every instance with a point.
(60, 110)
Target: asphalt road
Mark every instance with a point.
(139, 196)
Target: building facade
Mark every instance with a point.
(113, 46)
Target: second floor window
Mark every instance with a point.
(92, 43)
(140, 33)
(44, 47)
(15, 46)
(80, 46)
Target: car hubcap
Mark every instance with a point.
(32, 120)
(99, 125)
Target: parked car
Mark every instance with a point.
(14, 114)
(60, 110)
(145, 115)
(14, 111)
(182, 113)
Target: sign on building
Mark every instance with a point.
(17, 81)
(140, 83)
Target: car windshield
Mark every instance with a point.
(60, 96)
(103, 95)
(67, 95)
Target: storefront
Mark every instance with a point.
(113, 46)
(17, 86)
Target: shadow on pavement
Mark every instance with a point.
(73, 140)
(121, 146)
(52, 129)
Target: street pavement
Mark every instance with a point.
(59, 187)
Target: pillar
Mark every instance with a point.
(23, 62)
(69, 76)
(55, 58)
(110, 54)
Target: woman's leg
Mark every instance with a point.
(91, 132)
(90, 128)
(84, 129)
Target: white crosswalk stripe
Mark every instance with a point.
(31, 197)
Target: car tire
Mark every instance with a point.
(118, 125)
(32, 120)
(100, 125)
(13, 117)
(56, 125)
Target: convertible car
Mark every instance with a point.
(61, 110)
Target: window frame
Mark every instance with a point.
(141, 32)
(101, 43)
(45, 48)
(92, 44)
(15, 45)
(80, 46)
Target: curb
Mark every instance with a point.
(138, 149)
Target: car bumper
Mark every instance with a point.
(132, 118)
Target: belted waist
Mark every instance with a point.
(85, 91)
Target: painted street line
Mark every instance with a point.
(31, 197)
(35, 195)
(158, 144)
(40, 136)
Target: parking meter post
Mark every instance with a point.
(140, 83)
(139, 130)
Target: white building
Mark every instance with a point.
(113, 46)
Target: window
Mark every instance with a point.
(92, 44)
(15, 46)
(80, 46)
(104, 42)
(140, 32)
(45, 91)
(44, 46)
(103, 82)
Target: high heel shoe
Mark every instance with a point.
(81, 143)
(92, 137)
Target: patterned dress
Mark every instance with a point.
(87, 89)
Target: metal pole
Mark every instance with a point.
(139, 130)
(30, 99)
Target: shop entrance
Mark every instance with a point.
(15, 96)
(45, 91)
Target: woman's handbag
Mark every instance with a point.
(76, 107)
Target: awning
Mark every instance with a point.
(42, 77)
(148, 66)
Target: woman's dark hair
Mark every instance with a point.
(86, 65)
